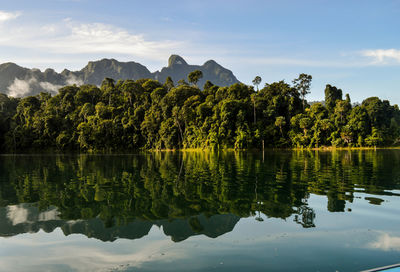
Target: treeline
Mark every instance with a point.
(146, 114)
(170, 185)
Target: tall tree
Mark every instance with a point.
(253, 99)
(195, 76)
(280, 122)
(144, 114)
(332, 94)
(107, 86)
(303, 84)
(256, 81)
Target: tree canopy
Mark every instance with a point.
(146, 114)
(195, 76)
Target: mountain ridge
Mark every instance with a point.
(19, 81)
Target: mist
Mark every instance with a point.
(31, 86)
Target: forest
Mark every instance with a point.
(172, 185)
(149, 115)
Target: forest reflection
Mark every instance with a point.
(187, 193)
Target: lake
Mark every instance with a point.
(200, 211)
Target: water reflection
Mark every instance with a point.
(26, 218)
(386, 242)
(186, 193)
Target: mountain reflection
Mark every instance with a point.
(186, 193)
(26, 218)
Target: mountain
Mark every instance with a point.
(18, 81)
(96, 71)
(27, 218)
(179, 69)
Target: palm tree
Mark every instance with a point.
(256, 81)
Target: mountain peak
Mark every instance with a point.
(176, 60)
(211, 63)
(95, 72)
(103, 61)
(9, 65)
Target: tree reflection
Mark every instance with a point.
(149, 187)
(305, 216)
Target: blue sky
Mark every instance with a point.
(354, 45)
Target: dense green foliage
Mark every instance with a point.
(146, 114)
(183, 185)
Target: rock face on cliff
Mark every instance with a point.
(18, 81)
(96, 71)
(179, 69)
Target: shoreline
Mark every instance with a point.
(115, 152)
(329, 148)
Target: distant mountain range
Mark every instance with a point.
(18, 81)
(27, 218)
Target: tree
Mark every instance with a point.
(195, 76)
(359, 123)
(256, 81)
(280, 122)
(182, 82)
(176, 119)
(147, 114)
(348, 100)
(253, 99)
(375, 109)
(375, 139)
(169, 84)
(86, 110)
(151, 84)
(107, 82)
(303, 84)
(305, 124)
(332, 94)
(347, 135)
(342, 109)
(107, 86)
(207, 85)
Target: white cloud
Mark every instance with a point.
(50, 87)
(70, 42)
(6, 16)
(69, 37)
(72, 79)
(21, 87)
(382, 56)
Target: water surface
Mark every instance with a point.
(200, 211)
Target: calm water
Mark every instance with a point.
(195, 211)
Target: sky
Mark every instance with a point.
(353, 45)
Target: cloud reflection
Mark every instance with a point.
(386, 242)
(80, 255)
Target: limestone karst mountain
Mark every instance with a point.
(178, 69)
(27, 218)
(18, 81)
